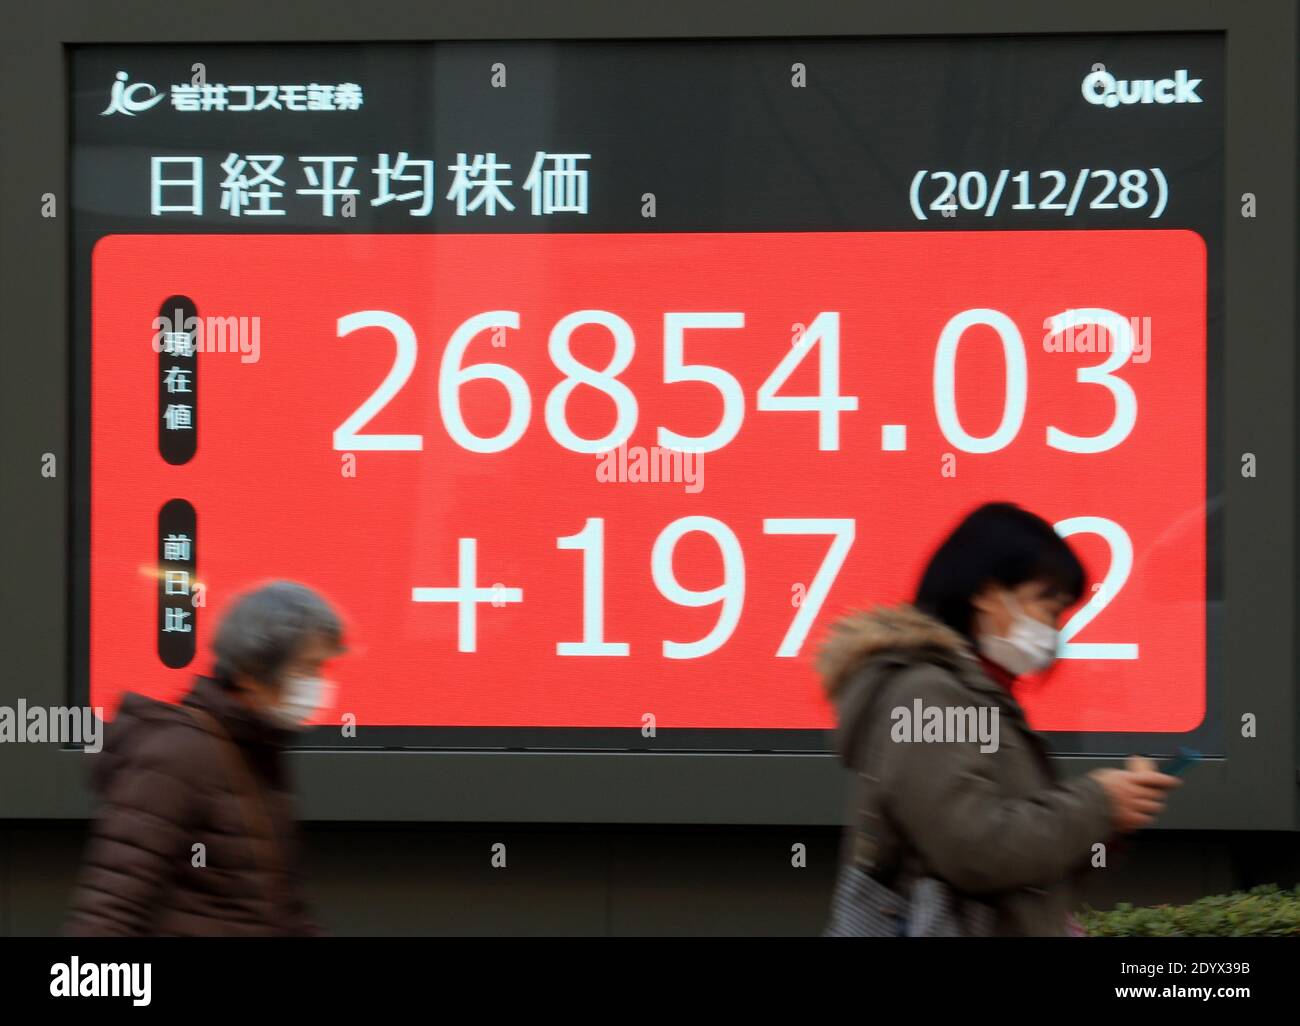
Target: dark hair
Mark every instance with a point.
(999, 543)
(266, 627)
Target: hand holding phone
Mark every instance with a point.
(1185, 757)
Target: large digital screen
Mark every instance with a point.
(592, 381)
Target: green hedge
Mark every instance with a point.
(1262, 912)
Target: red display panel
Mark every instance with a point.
(856, 393)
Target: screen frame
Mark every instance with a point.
(1252, 787)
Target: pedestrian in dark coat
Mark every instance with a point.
(986, 814)
(196, 833)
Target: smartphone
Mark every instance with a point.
(1185, 757)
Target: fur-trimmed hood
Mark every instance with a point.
(880, 641)
(904, 630)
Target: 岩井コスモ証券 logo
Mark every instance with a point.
(132, 98)
(122, 97)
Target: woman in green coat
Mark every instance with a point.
(963, 824)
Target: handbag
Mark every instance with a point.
(863, 906)
(870, 900)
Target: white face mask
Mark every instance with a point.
(1029, 646)
(300, 697)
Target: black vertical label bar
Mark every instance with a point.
(177, 557)
(176, 343)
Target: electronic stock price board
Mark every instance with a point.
(593, 380)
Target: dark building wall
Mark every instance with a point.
(416, 880)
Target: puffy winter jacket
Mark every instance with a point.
(181, 845)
